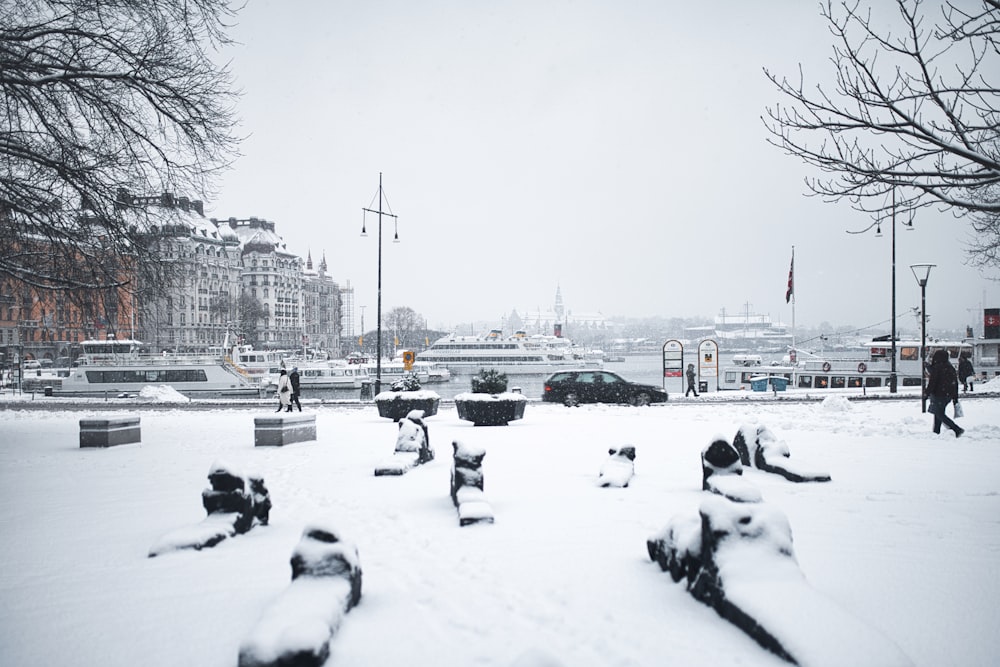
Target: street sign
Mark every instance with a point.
(673, 359)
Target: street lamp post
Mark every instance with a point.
(378, 337)
(893, 381)
(922, 272)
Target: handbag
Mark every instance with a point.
(958, 409)
(284, 389)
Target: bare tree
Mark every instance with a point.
(99, 98)
(403, 323)
(915, 107)
(250, 312)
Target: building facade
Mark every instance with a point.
(221, 282)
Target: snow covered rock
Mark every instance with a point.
(738, 559)
(758, 447)
(467, 485)
(722, 470)
(297, 628)
(619, 468)
(231, 508)
(412, 446)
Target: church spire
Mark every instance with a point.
(322, 263)
(559, 303)
(309, 261)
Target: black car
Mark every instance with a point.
(598, 386)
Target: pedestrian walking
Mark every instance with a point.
(690, 378)
(965, 373)
(284, 391)
(293, 380)
(942, 389)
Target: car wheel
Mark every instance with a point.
(641, 399)
(571, 401)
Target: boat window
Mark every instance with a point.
(854, 382)
(805, 381)
(837, 382)
(821, 382)
(912, 382)
(909, 353)
(873, 381)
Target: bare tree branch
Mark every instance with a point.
(914, 108)
(96, 98)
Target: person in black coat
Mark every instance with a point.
(965, 372)
(690, 379)
(942, 389)
(293, 379)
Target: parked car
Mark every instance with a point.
(598, 386)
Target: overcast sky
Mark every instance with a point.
(614, 149)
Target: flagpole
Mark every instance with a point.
(791, 293)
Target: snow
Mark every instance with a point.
(162, 394)
(903, 541)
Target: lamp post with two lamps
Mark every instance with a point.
(395, 239)
(922, 272)
(878, 234)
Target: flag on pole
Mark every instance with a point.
(791, 279)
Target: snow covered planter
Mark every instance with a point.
(490, 404)
(738, 559)
(404, 397)
(297, 628)
(232, 510)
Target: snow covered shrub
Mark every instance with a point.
(406, 383)
(489, 381)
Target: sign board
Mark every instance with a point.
(708, 359)
(408, 358)
(673, 359)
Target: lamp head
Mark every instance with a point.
(922, 272)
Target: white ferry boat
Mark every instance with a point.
(394, 369)
(870, 369)
(515, 354)
(257, 364)
(336, 374)
(116, 366)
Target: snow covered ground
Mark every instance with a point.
(906, 537)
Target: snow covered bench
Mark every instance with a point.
(758, 447)
(413, 446)
(109, 431)
(619, 468)
(467, 485)
(234, 503)
(737, 557)
(296, 629)
(279, 430)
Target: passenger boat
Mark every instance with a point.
(257, 364)
(515, 354)
(394, 369)
(435, 373)
(118, 366)
(870, 369)
(335, 374)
